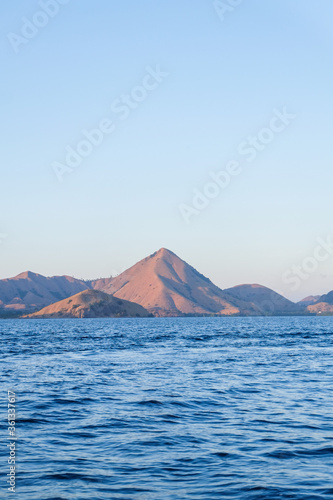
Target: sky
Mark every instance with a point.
(118, 116)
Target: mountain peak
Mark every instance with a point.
(163, 252)
(161, 283)
(166, 285)
(310, 300)
(248, 286)
(26, 275)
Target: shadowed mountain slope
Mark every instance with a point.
(265, 300)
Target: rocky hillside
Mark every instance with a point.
(323, 305)
(91, 304)
(167, 286)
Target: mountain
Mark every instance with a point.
(164, 285)
(323, 305)
(265, 300)
(91, 304)
(308, 301)
(328, 298)
(29, 291)
(167, 286)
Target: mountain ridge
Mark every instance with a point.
(165, 285)
(30, 291)
(162, 283)
(179, 289)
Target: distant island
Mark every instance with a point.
(161, 285)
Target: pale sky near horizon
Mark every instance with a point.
(222, 80)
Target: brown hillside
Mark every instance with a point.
(91, 304)
(167, 286)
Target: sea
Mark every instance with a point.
(168, 408)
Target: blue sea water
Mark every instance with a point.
(169, 408)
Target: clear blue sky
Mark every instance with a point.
(121, 203)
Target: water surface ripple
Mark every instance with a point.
(170, 408)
